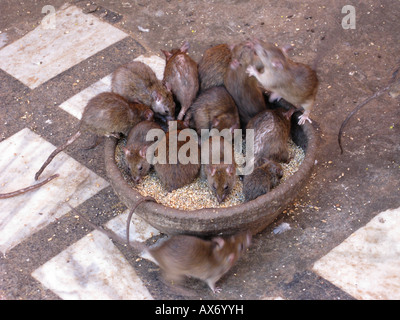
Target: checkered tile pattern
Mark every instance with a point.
(364, 266)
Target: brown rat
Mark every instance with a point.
(208, 260)
(27, 189)
(262, 179)
(109, 114)
(220, 171)
(106, 114)
(181, 76)
(295, 82)
(214, 108)
(136, 148)
(183, 256)
(137, 82)
(213, 66)
(244, 90)
(172, 172)
(271, 134)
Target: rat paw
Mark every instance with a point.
(217, 290)
(303, 118)
(251, 71)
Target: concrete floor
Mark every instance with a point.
(343, 242)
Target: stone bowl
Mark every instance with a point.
(254, 215)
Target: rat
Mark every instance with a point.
(181, 256)
(106, 114)
(208, 260)
(245, 90)
(219, 172)
(213, 66)
(295, 82)
(181, 77)
(27, 189)
(262, 179)
(271, 134)
(214, 108)
(136, 148)
(172, 172)
(137, 82)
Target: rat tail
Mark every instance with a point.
(27, 189)
(359, 106)
(128, 221)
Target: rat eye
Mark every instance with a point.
(226, 187)
(140, 168)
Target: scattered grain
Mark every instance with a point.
(197, 195)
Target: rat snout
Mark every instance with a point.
(221, 198)
(137, 179)
(168, 115)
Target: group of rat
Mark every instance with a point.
(230, 88)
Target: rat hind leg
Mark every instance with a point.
(307, 106)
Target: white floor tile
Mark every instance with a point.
(92, 268)
(367, 264)
(44, 53)
(76, 104)
(21, 156)
(140, 230)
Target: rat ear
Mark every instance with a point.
(126, 151)
(230, 259)
(248, 238)
(230, 169)
(212, 170)
(185, 47)
(219, 242)
(235, 64)
(167, 54)
(277, 64)
(215, 121)
(142, 152)
(148, 114)
(286, 49)
(167, 85)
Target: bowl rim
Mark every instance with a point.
(146, 210)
